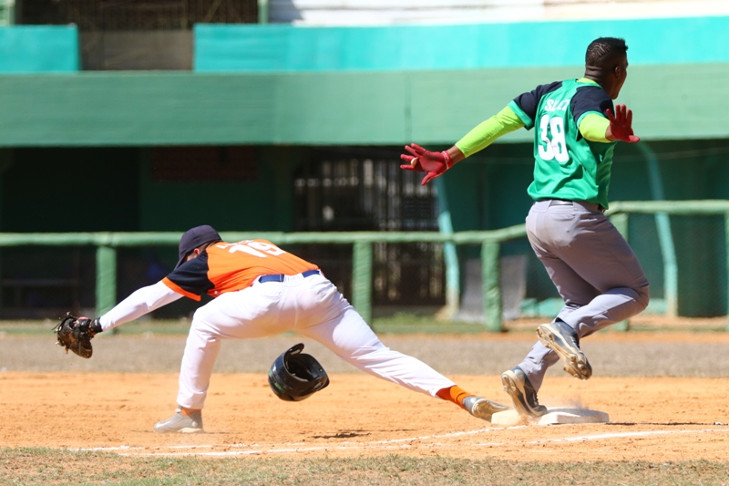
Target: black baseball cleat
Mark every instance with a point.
(482, 408)
(522, 393)
(563, 340)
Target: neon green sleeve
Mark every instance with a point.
(484, 134)
(593, 127)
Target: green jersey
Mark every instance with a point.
(566, 165)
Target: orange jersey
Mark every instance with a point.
(227, 267)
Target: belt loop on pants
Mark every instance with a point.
(564, 202)
(280, 277)
(560, 202)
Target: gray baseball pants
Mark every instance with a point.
(594, 269)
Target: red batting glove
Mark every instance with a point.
(434, 163)
(621, 124)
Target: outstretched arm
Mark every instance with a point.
(597, 128)
(434, 164)
(140, 302)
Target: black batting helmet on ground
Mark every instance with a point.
(294, 375)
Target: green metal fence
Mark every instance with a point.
(490, 241)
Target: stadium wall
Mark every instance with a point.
(98, 131)
(670, 102)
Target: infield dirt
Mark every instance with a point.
(665, 393)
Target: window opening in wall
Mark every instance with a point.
(363, 189)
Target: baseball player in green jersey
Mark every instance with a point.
(576, 128)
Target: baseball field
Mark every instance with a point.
(67, 420)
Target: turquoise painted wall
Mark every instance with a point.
(276, 47)
(39, 49)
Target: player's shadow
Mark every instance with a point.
(343, 435)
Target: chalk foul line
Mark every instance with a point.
(213, 450)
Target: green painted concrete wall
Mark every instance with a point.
(344, 108)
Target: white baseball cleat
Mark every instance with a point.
(187, 424)
(482, 408)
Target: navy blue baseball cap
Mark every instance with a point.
(194, 237)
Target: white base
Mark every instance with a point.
(552, 417)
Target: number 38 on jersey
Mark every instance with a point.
(552, 142)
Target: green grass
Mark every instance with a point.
(43, 327)
(400, 323)
(38, 466)
(408, 323)
(396, 323)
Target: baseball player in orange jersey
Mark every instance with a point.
(258, 290)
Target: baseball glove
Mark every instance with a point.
(75, 333)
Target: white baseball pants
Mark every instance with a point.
(311, 306)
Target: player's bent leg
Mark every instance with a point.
(198, 359)
(201, 350)
(562, 339)
(614, 305)
(231, 315)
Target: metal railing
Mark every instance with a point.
(106, 244)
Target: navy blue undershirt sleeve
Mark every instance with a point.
(529, 102)
(192, 275)
(590, 98)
